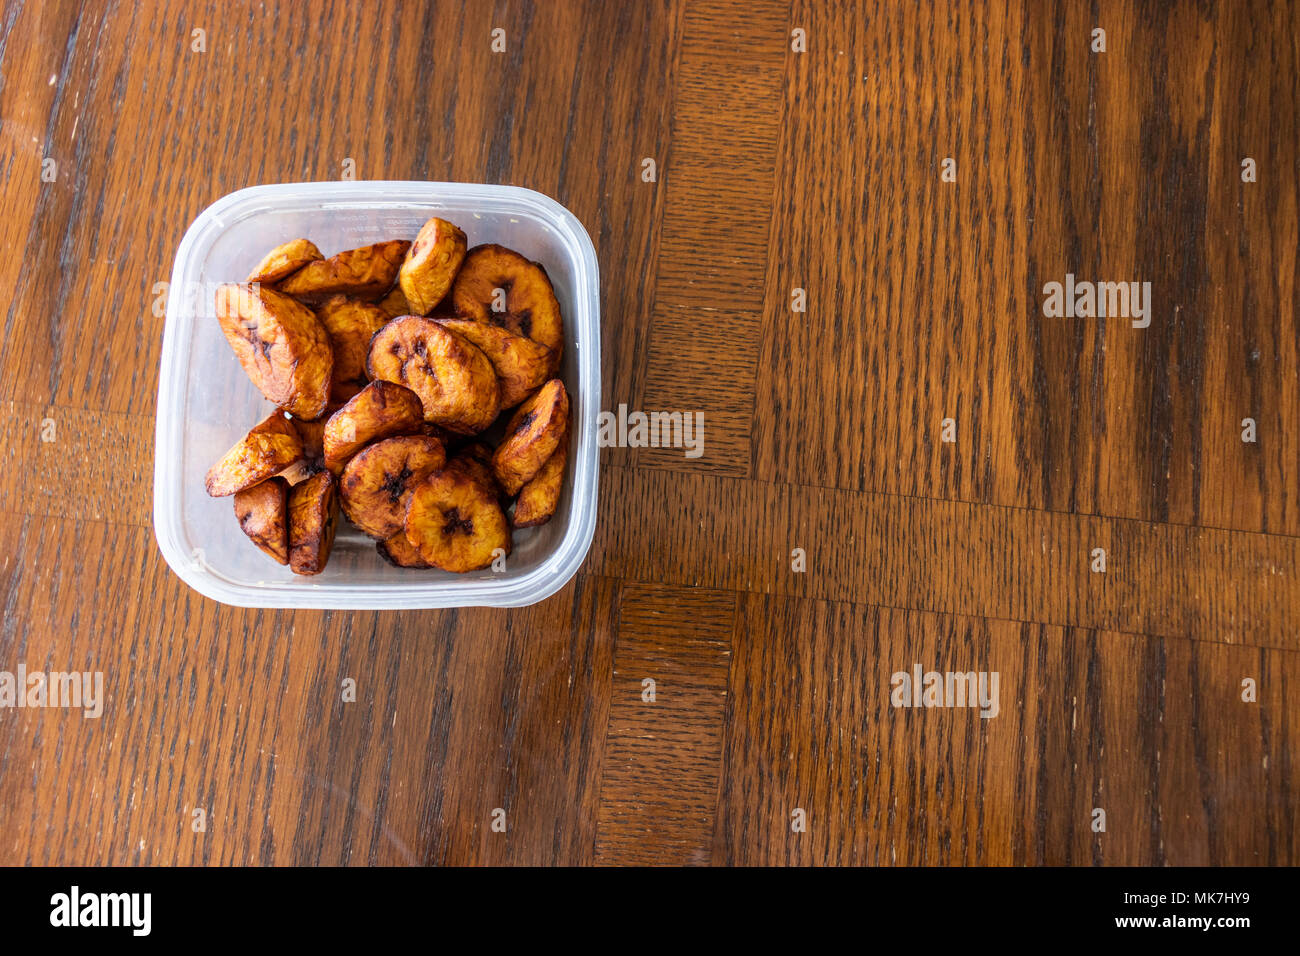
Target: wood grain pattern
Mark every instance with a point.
(950, 556)
(661, 759)
(242, 714)
(777, 170)
(1131, 725)
(52, 449)
(1117, 166)
(709, 289)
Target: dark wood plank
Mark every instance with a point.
(925, 297)
(722, 161)
(242, 714)
(701, 364)
(1152, 731)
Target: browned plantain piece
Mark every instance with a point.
(438, 432)
(476, 458)
(313, 518)
(313, 433)
(380, 410)
(477, 451)
(540, 496)
(532, 436)
(398, 551)
(262, 512)
(343, 392)
(280, 344)
(431, 264)
(270, 446)
(313, 446)
(351, 325)
(452, 377)
(454, 522)
(286, 258)
(530, 306)
(366, 273)
(394, 304)
(300, 470)
(521, 364)
(377, 481)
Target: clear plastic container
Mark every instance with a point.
(206, 402)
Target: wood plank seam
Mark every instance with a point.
(966, 616)
(974, 502)
(1233, 583)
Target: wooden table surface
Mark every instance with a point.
(777, 170)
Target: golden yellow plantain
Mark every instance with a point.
(351, 324)
(526, 303)
(270, 446)
(380, 410)
(521, 364)
(313, 518)
(377, 481)
(453, 378)
(284, 259)
(364, 273)
(398, 551)
(454, 522)
(531, 436)
(431, 264)
(394, 304)
(263, 513)
(280, 344)
(539, 498)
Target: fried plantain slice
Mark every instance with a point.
(270, 446)
(313, 446)
(521, 364)
(280, 344)
(476, 458)
(398, 551)
(394, 304)
(431, 264)
(532, 436)
(313, 518)
(300, 470)
(377, 481)
(313, 433)
(454, 522)
(286, 258)
(477, 451)
(453, 378)
(380, 410)
(531, 309)
(539, 497)
(351, 324)
(438, 432)
(343, 392)
(263, 513)
(365, 273)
